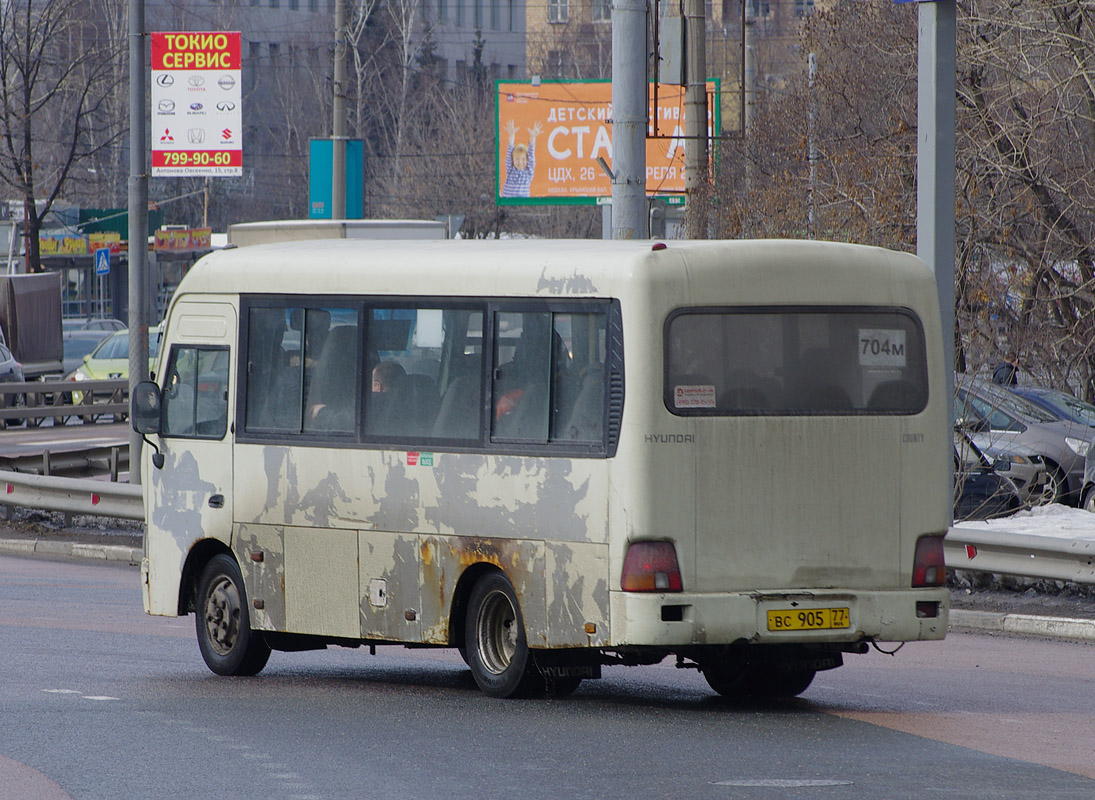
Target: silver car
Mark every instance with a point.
(1000, 421)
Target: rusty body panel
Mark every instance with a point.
(412, 531)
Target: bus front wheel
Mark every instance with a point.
(223, 623)
(497, 650)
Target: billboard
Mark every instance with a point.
(196, 104)
(549, 137)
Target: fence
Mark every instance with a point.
(90, 401)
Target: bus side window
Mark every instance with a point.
(274, 369)
(195, 398)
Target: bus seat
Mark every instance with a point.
(333, 383)
(458, 414)
(418, 404)
(896, 395)
(586, 420)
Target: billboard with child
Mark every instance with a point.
(550, 135)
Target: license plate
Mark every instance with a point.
(808, 619)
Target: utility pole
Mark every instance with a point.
(629, 101)
(338, 125)
(935, 160)
(696, 183)
(138, 222)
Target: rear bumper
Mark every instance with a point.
(682, 619)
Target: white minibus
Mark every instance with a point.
(551, 455)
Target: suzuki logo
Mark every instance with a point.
(226, 133)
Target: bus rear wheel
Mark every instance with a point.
(497, 650)
(223, 623)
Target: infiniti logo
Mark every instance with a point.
(226, 105)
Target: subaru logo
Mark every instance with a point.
(196, 106)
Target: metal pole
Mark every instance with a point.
(695, 119)
(138, 221)
(811, 145)
(629, 99)
(338, 124)
(935, 161)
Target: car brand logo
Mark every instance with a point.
(196, 106)
(196, 80)
(226, 134)
(165, 79)
(166, 106)
(226, 105)
(195, 135)
(167, 137)
(226, 82)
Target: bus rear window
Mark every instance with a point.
(794, 362)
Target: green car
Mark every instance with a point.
(110, 360)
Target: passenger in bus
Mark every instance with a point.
(386, 375)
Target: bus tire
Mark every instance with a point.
(769, 681)
(223, 623)
(497, 650)
(726, 679)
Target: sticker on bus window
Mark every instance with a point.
(698, 396)
(881, 348)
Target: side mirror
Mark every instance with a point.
(145, 405)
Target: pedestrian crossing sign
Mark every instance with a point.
(102, 261)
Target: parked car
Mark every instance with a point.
(1061, 405)
(1024, 468)
(980, 492)
(994, 416)
(79, 343)
(107, 324)
(11, 371)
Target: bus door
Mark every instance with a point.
(193, 490)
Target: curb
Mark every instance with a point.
(1025, 624)
(52, 547)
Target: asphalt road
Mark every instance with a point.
(100, 701)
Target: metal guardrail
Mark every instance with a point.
(82, 463)
(72, 495)
(45, 399)
(1025, 555)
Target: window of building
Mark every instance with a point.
(602, 10)
(558, 11)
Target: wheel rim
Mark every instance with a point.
(222, 615)
(496, 632)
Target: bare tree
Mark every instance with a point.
(57, 70)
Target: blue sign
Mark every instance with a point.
(321, 155)
(102, 261)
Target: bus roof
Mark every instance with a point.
(547, 268)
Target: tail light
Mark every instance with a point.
(929, 567)
(651, 567)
